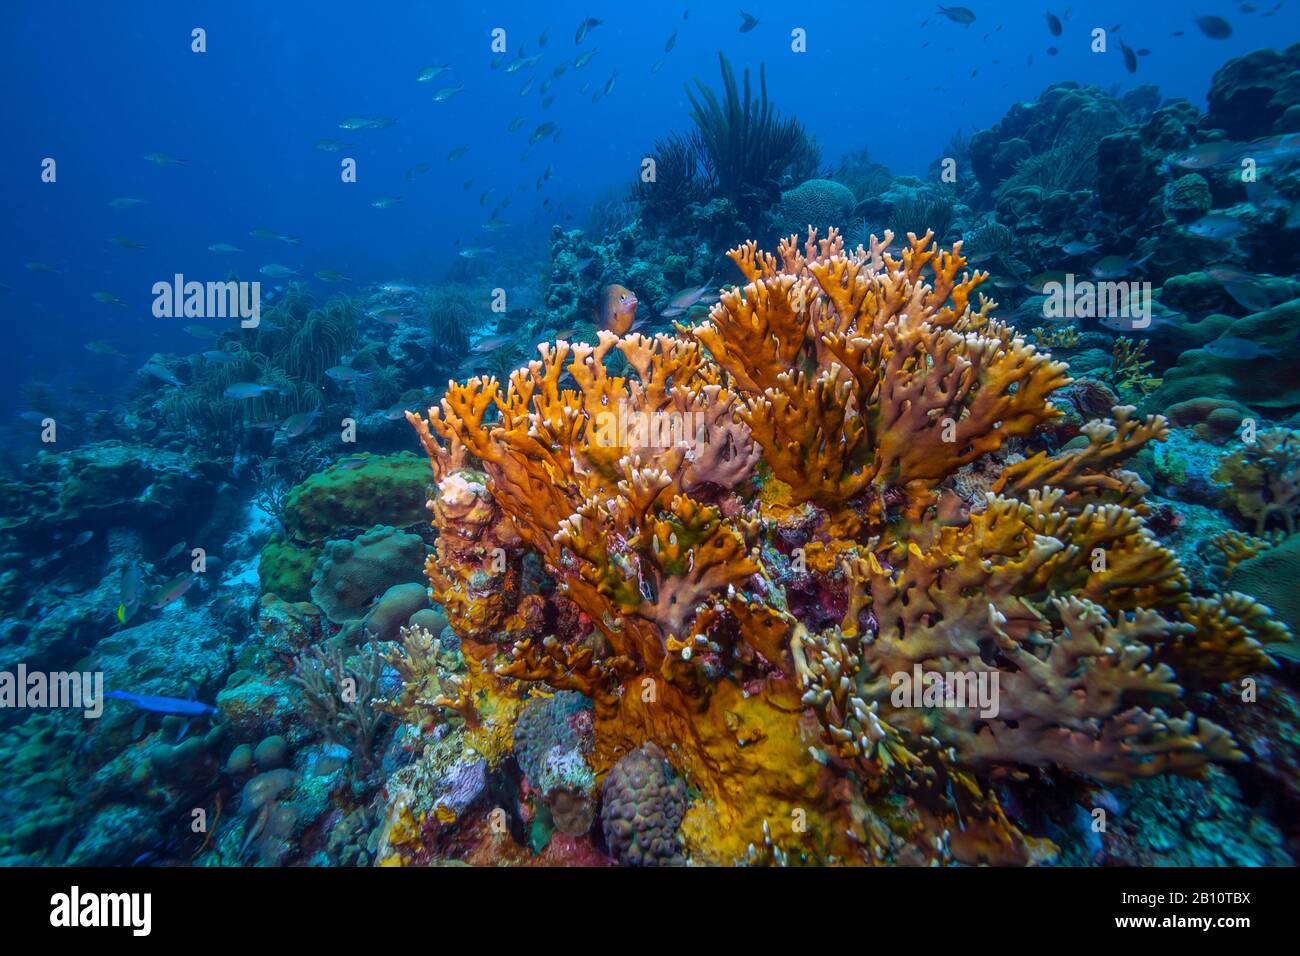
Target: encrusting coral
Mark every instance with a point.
(754, 545)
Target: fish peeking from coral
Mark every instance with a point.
(616, 310)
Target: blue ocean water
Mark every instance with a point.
(97, 87)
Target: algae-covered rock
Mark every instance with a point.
(272, 753)
(390, 490)
(1216, 826)
(393, 610)
(117, 835)
(240, 760)
(432, 619)
(285, 568)
(1062, 113)
(110, 484)
(264, 788)
(1254, 95)
(259, 708)
(1129, 176)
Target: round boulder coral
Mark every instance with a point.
(643, 805)
(1187, 198)
(816, 202)
(350, 575)
(367, 490)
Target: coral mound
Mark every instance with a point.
(771, 566)
(643, 806)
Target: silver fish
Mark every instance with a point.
(1238, 349)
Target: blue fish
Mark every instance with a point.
(163, 705)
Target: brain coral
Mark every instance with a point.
(546, 723)
(1271, 577)
(816, 202)
(644, 802)
(351, 574)
(1187, 198)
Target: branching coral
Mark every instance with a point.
(857, 373)
(1091, 471)
(1063, 338)
(752, 536)
(1263, 479)
(1236, 547)
(338, 695)
(1227, 639)
(428, 688)
(1129, 367)
(1061, 681)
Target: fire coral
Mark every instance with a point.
(829, 500)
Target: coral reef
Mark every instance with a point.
(750, 540)
(828, 560)
(1254, 95)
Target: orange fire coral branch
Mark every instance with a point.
(1089, 472)
(707, 505)
(858, 375)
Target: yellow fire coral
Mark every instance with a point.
(754, 544)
